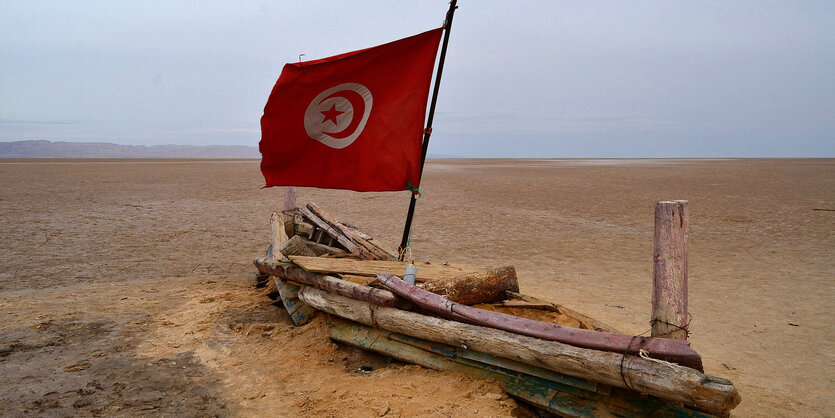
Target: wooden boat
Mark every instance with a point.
(543, 353)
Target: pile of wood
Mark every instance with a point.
(456, 317)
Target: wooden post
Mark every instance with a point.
(669, 270)
(289, 210)
(279, 237)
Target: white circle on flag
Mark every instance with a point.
(337, 116)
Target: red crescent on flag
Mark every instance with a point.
(356, 116)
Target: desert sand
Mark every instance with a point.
(127, 287)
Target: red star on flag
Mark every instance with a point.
(330, 115)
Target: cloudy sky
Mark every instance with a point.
(523, 79)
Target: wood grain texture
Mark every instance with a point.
(332, 284)
(278, 236)
(297, 245)
(669, 270)
(318, 223)
(661, 379)
(660, 348)
(544, 387)
(426, 271)
(480, 287)
(300, 312)
(322, 249)
(363, 247)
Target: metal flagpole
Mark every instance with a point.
(407, 229)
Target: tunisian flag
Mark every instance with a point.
(351, 121)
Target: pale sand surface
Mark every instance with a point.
(126, 288)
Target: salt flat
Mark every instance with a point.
(125, 286)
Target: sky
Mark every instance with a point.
(559, 79)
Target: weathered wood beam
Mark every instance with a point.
(332, 284)
(321, 249)
(545, 388)
(361, 246)
(278, 237)
(289, 210)
(261, 263)
(371, 339)
(303, 228)
(300, 312)
(657, 378)
(426, 271)
(661, 348)
(669, 270)
(480, 287)
(343, 240)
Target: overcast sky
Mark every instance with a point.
(522, 79)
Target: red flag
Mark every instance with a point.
(351, 121)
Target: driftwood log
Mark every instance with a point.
(565, 395)
(665, 349)
(481, 287)
(331, 284)
(657, 378)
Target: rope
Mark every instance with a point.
(373, 312)
(644, 354)
(415, 191)
(623, 373)
(405, 254)
(676, 327)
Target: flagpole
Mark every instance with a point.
(407, 229)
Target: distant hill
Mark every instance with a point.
(48, 149)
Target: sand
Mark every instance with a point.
(126, 287)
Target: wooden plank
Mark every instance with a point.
(566, 395)
(303, 228)
(289, 210)
(480, 287)
(365, 249)
(426, 271)
(278, 237)
(322, 249)
(369, 239)
(332, 231)
(363, 280)
(669, 270)
(664, 380)
(300, 312)
(660, 348)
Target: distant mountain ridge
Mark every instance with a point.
(49, 149)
